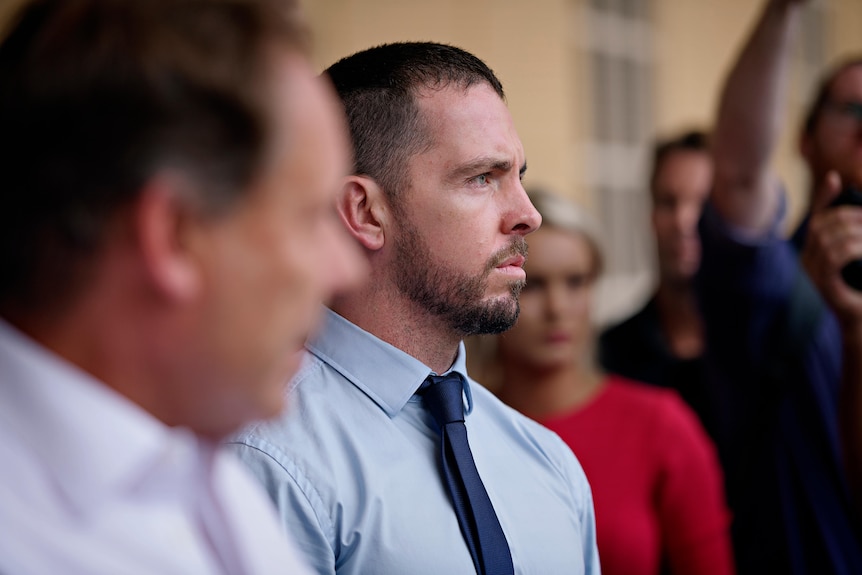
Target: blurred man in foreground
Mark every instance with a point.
(166, 232)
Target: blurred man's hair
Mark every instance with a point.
(96, 96)
(689, 141)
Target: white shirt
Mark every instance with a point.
(90, 483)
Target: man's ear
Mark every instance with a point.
(163, 219)
(364, 209)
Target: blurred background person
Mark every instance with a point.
(663, 342)
(656, 481)
(829, 226)
(774, 349)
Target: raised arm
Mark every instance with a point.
(750, 111)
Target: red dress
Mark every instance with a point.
(656, 481)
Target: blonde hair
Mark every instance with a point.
(566, 215)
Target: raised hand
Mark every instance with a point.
(834, 239)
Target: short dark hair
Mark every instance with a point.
(96, 96)
(688, 141)
(378, 88)
(824, 92)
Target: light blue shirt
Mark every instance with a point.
(353, 467)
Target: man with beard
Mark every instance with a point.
(169, 174)
(356, 470)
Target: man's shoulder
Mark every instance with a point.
(525, 437)
(315, 390)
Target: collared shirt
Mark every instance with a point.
(353, 467)
(91, 483)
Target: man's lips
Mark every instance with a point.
(513, 266)
(558, 337)
(514, 261)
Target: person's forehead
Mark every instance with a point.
(558, 251)
(477, 114)
(455, 102)
(683, 173)
(683, 161)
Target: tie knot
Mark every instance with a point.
(443, 398)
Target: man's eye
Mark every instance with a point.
(481, 179)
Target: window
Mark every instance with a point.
(618, 49)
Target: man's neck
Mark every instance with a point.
(399, 322)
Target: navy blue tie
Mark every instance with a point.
(479, 523)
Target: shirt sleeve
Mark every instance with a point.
(692, 507)
(588, 521)
(583, 497)
(299, 506)
(737, 265)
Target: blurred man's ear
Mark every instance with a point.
(164, 225)
(364, 209)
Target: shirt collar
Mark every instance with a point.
(94, 440)
(387, 375)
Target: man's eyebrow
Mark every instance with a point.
(484, 164)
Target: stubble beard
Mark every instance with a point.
(456, 298)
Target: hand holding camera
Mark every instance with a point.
(832, 255)
(852, 272)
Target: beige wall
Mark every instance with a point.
(694, 45)
(845, 27)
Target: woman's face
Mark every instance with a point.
(554, 326)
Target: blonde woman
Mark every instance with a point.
(655, 476)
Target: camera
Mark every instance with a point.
(852, 272)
